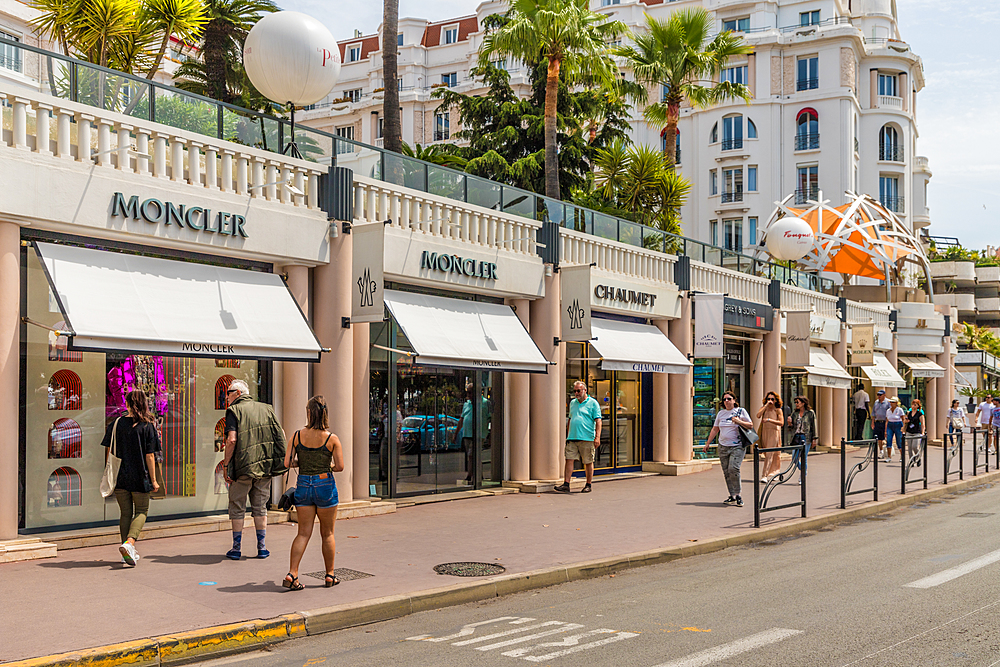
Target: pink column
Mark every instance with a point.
(893, 357)
(755, 373)
(333, 376)
(362, 369)
(548, 421)
(824, 415)
(680, 386)
(771, 360)
(295, 374)
(10, 311)
(932, 409)
(519, 402)
(840, 396)
(661, 407)
(946, 391)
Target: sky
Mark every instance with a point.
(958, 111)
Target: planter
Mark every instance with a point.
(987, 274)
(961, 270)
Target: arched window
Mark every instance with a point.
(714, 137)
(65, 489)
(65, 440)
(221, 387)
(807, 130)
(220, 435)
(65, 391)
(751, 129)
(889, 146)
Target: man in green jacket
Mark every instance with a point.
(255, 452)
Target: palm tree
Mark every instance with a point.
(181, 18)
(570, 40)
(675, 53)
(392, 132)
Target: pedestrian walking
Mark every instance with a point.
(771, 421)
(879, 411)
(804, 426)
(862, 413)
(731, 449)
(255, 452)
(915, 426)
(318, 454)
(135, 443)
(956, 418)
(983, 417)
(894, 428)
(583, 433)
(994, 427)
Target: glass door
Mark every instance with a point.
(628, 432)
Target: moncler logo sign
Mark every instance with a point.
(576, 314)
(193, 217)
(367, 287)
(458, 265)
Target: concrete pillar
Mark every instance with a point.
(333, 377)
(893, 356)
(661, 407)
(873, 89)
(295, 374)
(931, 408)
(680, 388)
(824, 414)
(946, 391)
(519, 401)
(752, 78)
(904, 91)
(10, 331)
(362, 374)
(548, 419)
(840, 396)
(755, 376)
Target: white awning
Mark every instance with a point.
(960, 380)
(626, 346)
(147, 305)
(883, 374)
(922, 367)
(464, 334)
(824, 371)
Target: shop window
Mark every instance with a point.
(58, 345)
(221, 485)
(221, 387)
(65, 439)
(65, 391)
(220, 435)
(65, 488)
(227, 363)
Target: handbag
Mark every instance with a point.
(748, 437)
(287, 499)
(110, 478)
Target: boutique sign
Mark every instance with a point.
(197, 218)
(453, 264)
(747, 314)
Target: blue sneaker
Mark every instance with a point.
(262, 552)
(234, 554)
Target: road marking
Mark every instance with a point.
(538, 635)
(506, 633)
(469, 629)
(955, 572)
(712, 655)
(571, 641)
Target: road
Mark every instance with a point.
(917, 586)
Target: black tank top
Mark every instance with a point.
(313, 461)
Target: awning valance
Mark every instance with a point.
(132, 303)
(922, 367)
(627, 346)
(464, 334)
(824, 371)
(883, 373)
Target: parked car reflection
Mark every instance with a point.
(429, 433)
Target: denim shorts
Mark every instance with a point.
(312, 490)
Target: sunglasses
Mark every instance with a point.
(729, 398)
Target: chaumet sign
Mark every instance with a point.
(194, 217)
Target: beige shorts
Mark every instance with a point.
(582, 450)
(259, 491)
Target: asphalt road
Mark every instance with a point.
(917, 586)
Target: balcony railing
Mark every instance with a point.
(805, 195)
(890, 102)
(894, 204)
(805, 142)
(732, 144)
(11, 62)
(441, 135)
(729, 197)
(890, 152)
(807, 84)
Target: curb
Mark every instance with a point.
(222, 640)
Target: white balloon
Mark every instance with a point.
(292, 57)
(790, 239)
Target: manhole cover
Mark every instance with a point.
(469, 569)
(976, 515)
(342, 573)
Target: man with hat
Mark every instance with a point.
(879, 410)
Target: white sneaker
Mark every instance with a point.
(129, 553)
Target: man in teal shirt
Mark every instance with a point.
(583, 432)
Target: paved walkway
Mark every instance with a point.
(85, 598)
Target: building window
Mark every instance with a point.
(713, 182)
(888, 84)
(808, 73)
(752, 231)
(346, 132)
(450, 80)
(353, 95)
(714, 226)
(752, 178)
(888, 193)
(10, 56)
(889, 146)
(732, 180)
(734, 234)
(751, 129)
(741, 24)
(354, 53)
(714, 136)
(608, 3)
(734, 75)
(809, 18)
(442, 126)
(399, 39)
(807, 187)
(807, 130)
(451, 35)
(379, 126)
(732, 133)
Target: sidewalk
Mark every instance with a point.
(85, 598)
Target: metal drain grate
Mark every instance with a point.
(342, 573)
(976, 515)
(468, 569)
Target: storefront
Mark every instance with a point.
(916, 372)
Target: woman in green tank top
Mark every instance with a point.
(317, 454)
